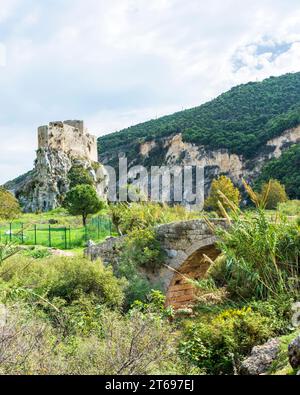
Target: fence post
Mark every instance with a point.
(22, 232)
(35, 236)
(98, 227)
(69, 236)
(50, 236)
(66, 244)
(10, 232)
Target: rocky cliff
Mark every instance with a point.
(61, 146)
(172, 150)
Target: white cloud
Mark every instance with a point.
(124, 61)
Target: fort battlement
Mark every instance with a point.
(70, 137)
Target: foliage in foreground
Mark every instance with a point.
(259, 261)
(260, 258)
(218, 341)
(137, 343)
(63, 316)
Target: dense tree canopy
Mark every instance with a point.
(286, 170)
(78, 175)
(83, 200)
(241, 120)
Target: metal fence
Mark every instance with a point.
(62, 237)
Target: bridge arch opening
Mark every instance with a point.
(181, 293)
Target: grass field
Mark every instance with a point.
(55, 229)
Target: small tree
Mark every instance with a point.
(225, 185)
(9, 205)
(83, 200)
(276, 194)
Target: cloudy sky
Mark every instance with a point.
(119, 62)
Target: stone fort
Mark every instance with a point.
(70, 137)
(61, 145)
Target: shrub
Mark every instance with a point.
(65, 278)
(219, 345)
(275, 194)
(143, 249)
(27, 343)
(38, 253)
(140, 251)
(135, 344)
(225, 186)
(129, 217)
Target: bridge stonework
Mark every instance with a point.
(185, 244)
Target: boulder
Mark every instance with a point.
(261, 359)
(294, 353)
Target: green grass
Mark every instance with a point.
(66, 233)
(290, 208)
(281, 366)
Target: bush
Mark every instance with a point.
(275, 194)
(225, 186)
(130, 217)
(27, 343)
(219, 345)
(38, 253)
(65, 278)
(135, 344)
(140, 251)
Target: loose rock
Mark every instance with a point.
(261, 359)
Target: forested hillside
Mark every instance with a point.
(285, 169)
(241, 120)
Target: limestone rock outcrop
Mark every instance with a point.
(294, 353)
(172, 150)
(61, 145)
(261, 358)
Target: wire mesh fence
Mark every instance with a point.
(55, 236)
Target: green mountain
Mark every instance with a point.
(241, 120)
(286, 169)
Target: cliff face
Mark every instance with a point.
(62, 145)
(172, 151)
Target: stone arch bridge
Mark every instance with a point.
(185, 243)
